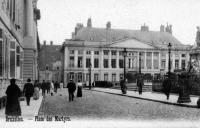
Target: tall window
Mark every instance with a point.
(96, 52)
(176, 64)
(113, 63)
(88, 62)
(105, 52)
(163, 64)
(156, 60)
(71, 51)
(149, 60)
(121, 63)
(80, 62)
(88, 52)
(71, 61)
(96, 77)
(113, 53)
(96, 63)
(183, 64)
(113, 77)
(80, 52)
(105, 77)
(18, 55)
(129, 63)
(1, 53)
(105, 63)
(80, 76)
(12, 59)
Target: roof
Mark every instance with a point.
(49, 54)
(156, 38)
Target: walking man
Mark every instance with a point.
(28, 91)
(71, 89)
(43, 87)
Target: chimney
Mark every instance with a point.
(78, 27)
(89, 23)
(108, 25)
(168, 28)
(144, 28)
(51, 42)
(162, 28)
(44, 42)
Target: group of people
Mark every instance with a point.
(50, 87)
(13, 93)
(72, 87)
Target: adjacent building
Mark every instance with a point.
(101, 49)
(50, 62)
(18, 41)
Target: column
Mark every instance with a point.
(109, 59)
(145, 60)
(159, 60)
(166, 62)
(152, 63)
(29, 18)
(138, 55)
(117, 60)
(180, 58)
(173, 62)
(101, 65)
(75, 58)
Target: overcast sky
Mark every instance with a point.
(59, 17)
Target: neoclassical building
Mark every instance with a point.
(102, 49)
(18, 41)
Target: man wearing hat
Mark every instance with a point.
(28, 91)
(71, 89)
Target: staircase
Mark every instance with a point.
(133, 87)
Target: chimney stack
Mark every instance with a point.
(108, 25)
(168, 28)
(78, 27)
(162, 28)
(44, 42)
(89, 23)
(51, 42)
(144, 28)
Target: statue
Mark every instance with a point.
(198, 37)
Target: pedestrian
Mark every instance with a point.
(48, 86)
(166, 87)
(56, 86)
(61, 85)
(71, 88)
(123, 86)
(13, 93)
(51, 87)
(36, 90)
(43, 87)
(79, 88)
(28, 91)
(140, 84)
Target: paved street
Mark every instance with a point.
(98, 105)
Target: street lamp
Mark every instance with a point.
(140, 62)
(169, 64)
(124, 53)
(90, 71)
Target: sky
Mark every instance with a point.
(59, 17)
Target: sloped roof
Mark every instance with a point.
(49, 54)
(156, 38)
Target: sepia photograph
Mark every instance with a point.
(99, 64)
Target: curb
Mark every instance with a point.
(170, 103)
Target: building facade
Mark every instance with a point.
(50, 66)
(18, 34)
(102, 49)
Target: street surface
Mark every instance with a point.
(99, 105)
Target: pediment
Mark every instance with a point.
(132, 43)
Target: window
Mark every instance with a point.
(113, 77)
(71, 61)
(71, 51)
(57, 68)
(129, 63)
(12, 59)
(156, 60)
(183, 64)
(105, 77)
(176, 64)
(18, 55)
(113, 53)
(96, 77)
(113, 63)
(105, 63)
(163, 64)
(96, 52)
(149, 60)
(121, 63)
(88, 62)
(80, 62)
(47, 67)
(183, 55)
(80, 52)
(96, 63)
(105, 52)
(80, 76)
(71, 76)
(120, 53)
(88, 52)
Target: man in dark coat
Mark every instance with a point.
(167, 87)
(28, 91)
(43, 87)
(56, 86)
(71, 89)
(140, 84)
(13, 92)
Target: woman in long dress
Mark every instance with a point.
(79, 90)
(36, 90)
(13, 93)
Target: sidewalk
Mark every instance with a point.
(28, 112)
(156, 97)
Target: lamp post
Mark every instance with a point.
(169, 64)
(90, 71)
(140, 62)
(124, 53)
